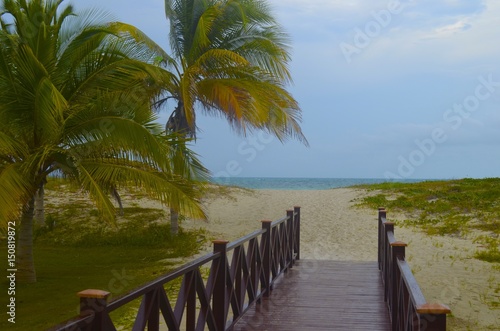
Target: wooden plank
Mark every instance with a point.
(322, 295)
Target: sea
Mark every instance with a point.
(276, 183)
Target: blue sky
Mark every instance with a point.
(397, 89)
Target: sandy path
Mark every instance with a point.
(330, 229)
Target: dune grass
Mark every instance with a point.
(454, 208)
(77, 250)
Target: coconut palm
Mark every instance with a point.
(230, 59)
(75, 99)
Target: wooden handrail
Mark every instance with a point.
(408, 308)
(193, 265)
(217, 302)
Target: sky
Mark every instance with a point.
(388, 89)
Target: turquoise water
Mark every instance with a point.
(297, 183)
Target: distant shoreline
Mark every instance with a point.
(297, 183)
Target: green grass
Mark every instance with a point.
(64, 271)
(454, 208)
(74, 254)
(491, 253)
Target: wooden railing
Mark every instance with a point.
(256, 261)
(408, 309)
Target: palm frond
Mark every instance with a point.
(169, 189)
(97, 192)
(201, 36)
(141, 46)
(185, 162)
(215, 59)
(16, 190)
(119, 134)
(49, 108)
(72, 24)
(251, 99)
(10, 147)
(267, 49)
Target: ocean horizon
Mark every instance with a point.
(293, 183)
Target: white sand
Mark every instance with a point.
(330, 229)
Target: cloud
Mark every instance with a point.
(329, 6)
(433, 8)
(419, 29)
(450, 29)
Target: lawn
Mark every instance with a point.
(77, 250)
(64, 271)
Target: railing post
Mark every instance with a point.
(289, 214)
(398, 252)
(190, 294)
(433, 316)
(386, 258)
(296, 209)
(381, 214)
(152, 304)
(94, 302)
(266, 256)
(281, 246)
(219, 298)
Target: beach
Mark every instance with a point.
(332, 228)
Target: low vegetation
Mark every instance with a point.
(461, 208)
(77, 250)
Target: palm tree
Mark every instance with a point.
(75, 99)
(230, 59)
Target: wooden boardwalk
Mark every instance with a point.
(322, 295)
(259, 282)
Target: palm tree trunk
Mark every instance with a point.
(118, 199)
(25, 263)
(177, 123)
(174, 222)
(39, 206)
